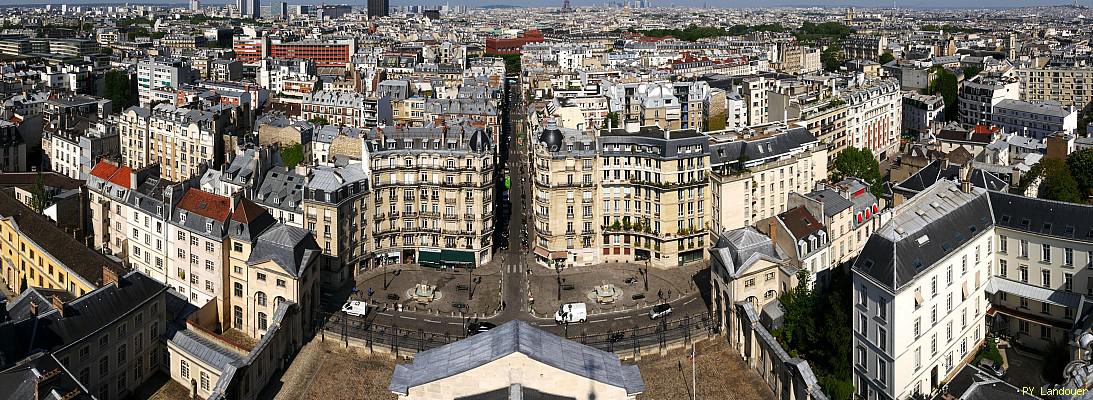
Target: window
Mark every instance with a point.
(1068, 282)
(933, 345)
(863, 297)
(1023, 249)
(204, 381)
(1002, 244)
(238, 318)
(1024, 303)
(949, 275)
(1023, 326)
(261, 277)
(280, 283)
(1045, 278)
(185, 367)
(863, 325)
(1045, 308)
(262, 321)
(121, 354)
(882, 339)
(1068, 256)
(1045, 252)
(861, 356)
(237, 247)
(918, 326)
(238, 291)
(933, 285)
(209, 266)
(1045, 332)
(1022, 273)
(882, 371)
(918, 358)
(1002, 269)
(104, 365)
(261, 299)
(882, 309)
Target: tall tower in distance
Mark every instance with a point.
(379, 8)
(566, 6)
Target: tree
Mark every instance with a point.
(292, 155)
(945, 84)
(858, 163)
(971, 71)
(117, 89)
(1058, 183)
(319, 121)
(1080, 164)
(832, 57)
(611, 120)
(887, 57)
(39, 198)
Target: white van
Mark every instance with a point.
(571, 312)
(355, 308)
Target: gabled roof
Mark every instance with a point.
(289, 247)
(516, 337)
(109, 172)
(205, 204)
(800, 222)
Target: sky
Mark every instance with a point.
(659, 3)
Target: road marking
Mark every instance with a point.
(455, 323)
(622, 318)
(689, 301)
(431, 321)
(383, 313)
(410, 318)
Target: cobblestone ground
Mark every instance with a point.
(544, 286)
(452, 284)
(329, 371)
(721, 375)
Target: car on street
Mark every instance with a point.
(475, 328)
(660, 310)
(992, 367)
(355, 308)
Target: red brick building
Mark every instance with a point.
(495, 46)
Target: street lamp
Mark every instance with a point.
(470, 285)
(644, 276)
(558, 272)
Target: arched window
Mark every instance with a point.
(238, 317)
(278, 300)
(261, 299)
(262, 321)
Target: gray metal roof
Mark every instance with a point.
(516, 337)
(923, 231)
(204, 349)
(290, 247)
(1041, 294)
(1043, 217)
(833, 202)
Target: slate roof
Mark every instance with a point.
(516, 337)
(772, 146)
(205, 350)
(924, 230)
(55, 241)
(800, 222)
(934, 171)
(53, 330)
(20, 382)
(833, 202)
(282, 189)
(1043, 217)
(738, 249)
(973, 383)
(290, 247)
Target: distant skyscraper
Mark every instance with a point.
(195, 5)
(278, 9)
(249, 8)
(378, 8)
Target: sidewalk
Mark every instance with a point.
(452, 285)
(579, 282)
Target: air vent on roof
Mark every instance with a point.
(1025, 223)
(1068, 230)
(921, 213)
(935, 205)
(1005, 219)
(1047, 227)
(922, 240)
(917, 264)
(946, 246)
(942, 195)
(867, 265)
(972, 229)
(900, 230)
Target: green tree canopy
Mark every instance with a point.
(887, 57)
(1058, 183)
(116, 84)
(292, 155)
(858, 163)
(319, 121)
(1080, 164)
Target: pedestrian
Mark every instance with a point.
(669, 293)
(660, 294)
(370, 292)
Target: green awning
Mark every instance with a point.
(430, 258)
(456, 257)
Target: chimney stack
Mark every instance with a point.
(109, 275)
(772, 232)
(965, 178)
(57, 304)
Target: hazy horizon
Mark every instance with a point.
(913, 4)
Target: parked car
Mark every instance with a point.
(990, 366)
(660, 310)
(475, 328)
(355, 308)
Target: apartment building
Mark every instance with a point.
(335, 209)
(918, 292)
(1035, 120)
(874, 116)
(13, 149)
(746, 266)
(979, 95)
(432, 194)
(567, 160)
(823, 116)
(345, 108)
(161, 72)
(1071, 86)
(39, 254)
(921, 112)
(183, 141)
(195, 236)
(851, 213)
(106, 342)
(864, 47)
(668, 105)
(752, 173)
(482, 112)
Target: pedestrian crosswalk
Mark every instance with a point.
(512, 268)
